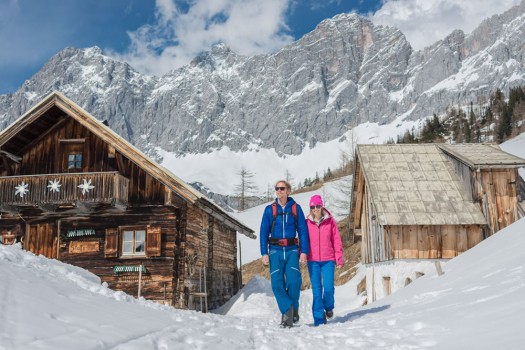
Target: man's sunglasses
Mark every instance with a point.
(279, 188)
(316, 206)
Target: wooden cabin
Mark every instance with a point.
(73, 190)
(415, 205)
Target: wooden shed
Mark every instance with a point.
(415, 205)
(73, 190)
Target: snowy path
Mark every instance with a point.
(477, 303)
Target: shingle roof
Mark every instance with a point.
(483, 155)
(415, 185)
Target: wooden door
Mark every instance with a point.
(42, 239)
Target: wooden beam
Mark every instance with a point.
(11, 156)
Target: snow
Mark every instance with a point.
(268, 166)
(476, 304)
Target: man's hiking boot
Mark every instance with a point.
(329, 314)
(287, 319)
(295, 315)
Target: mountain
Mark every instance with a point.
(344, 73)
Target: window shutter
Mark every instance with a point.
(111, 244)
(153, 241)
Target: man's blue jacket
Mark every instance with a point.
(284, 226)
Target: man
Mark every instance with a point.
(281, 222)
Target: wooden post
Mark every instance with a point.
(58, 239)
(140, 279)
(240, 264)
(205, 290)
(438, 268)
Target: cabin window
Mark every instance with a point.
(72, 155)
(133, 242)
(74, 161)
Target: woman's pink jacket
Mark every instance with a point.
(325, 241)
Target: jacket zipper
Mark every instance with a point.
(319, 242)
(283, 218)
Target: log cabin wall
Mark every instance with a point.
(356, 201)
(223, 265)
(91, 252)
(497, 190)
(372, 234)
(430, 241)
(195, 256)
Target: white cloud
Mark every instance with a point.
(426, 21)
(248, 27)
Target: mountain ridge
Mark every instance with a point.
(346, 72)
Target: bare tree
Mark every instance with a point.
(245, 188)
(288, 177)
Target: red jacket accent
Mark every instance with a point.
(325, 241)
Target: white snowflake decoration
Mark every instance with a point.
(54, 186)
(21, 189)
(86, 186)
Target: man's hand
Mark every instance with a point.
(302, 258)
(265, 260)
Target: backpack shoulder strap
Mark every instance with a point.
(294, 212)
(274, 216)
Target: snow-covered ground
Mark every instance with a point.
(477, 304)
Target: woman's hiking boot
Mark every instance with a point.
(287, 318)
(329, 314)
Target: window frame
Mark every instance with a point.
(134, 230)
(77, 149)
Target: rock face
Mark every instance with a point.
(345, 72)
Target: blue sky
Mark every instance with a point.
(158, 36)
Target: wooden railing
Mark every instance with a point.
(33, 190)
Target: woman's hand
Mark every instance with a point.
(265, 260)
(302, 258)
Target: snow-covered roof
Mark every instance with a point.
(415, 185)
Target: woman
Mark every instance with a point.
(325, 253)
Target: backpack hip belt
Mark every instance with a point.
(283, 242)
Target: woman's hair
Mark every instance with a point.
(286, 183)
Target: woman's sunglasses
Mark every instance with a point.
(280, 188)
(316, 206)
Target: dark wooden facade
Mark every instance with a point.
(73, 190)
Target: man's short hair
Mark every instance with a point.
(286, 183)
